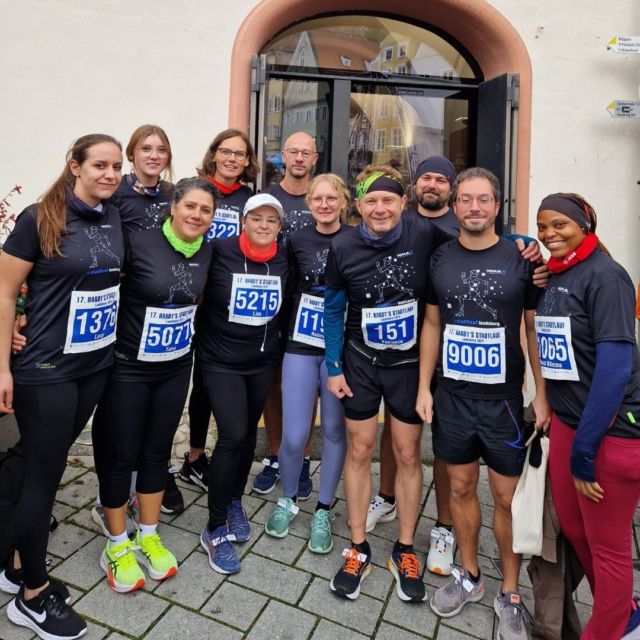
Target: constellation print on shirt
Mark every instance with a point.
(479, 289)
(394, 273)
(185, 280)
(101, 244)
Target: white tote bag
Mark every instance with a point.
(527, 505)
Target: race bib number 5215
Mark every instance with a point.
(254, 299)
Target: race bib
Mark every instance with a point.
(166, 334)
(390, 327)
(557, 359)
(92, 320)
(225, 224)
(474, 354)
(309, 326)
(254, 299)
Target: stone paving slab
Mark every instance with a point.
(282, 590)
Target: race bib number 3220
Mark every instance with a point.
(92, 320)
(254, 299)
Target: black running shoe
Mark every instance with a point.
(172, 501)
(405, 567)
(196, 472)
(11, 580)
(356, 568)
(47, 614)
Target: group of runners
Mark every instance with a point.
(274, 301)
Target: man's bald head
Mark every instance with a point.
(299, 156)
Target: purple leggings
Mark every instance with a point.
(301, 376)
(600, 532)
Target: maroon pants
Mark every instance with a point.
(600, 532)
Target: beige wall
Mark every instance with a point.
(68, 68)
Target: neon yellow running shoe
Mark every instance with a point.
(152, 553)
(122, 569)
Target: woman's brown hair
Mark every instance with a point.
(52, 206)
(141, 134)
(208, 167)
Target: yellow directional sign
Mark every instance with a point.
(624, 44)
(624, 109)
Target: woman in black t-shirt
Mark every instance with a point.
(585, 327)
(68, 248)
(229, 163)
(144, 197)
(238, 347)
(165, 271)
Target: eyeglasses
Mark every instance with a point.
(306, 154)
(331, 201)
(258, 220)
(483, 201)
(227, 153)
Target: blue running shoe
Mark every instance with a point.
(237, 521)
(217, 544)
(266, 480)
(305, 484)
(632, 632)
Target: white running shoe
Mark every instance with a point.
(440, 558)
(379, 511)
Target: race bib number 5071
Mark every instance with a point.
(92, 320)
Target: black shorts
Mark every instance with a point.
(470, 429)
(370, 383)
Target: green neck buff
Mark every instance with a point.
(187, 249)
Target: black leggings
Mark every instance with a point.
(50, 417)
(199, 409)
(237, 402)
(134, 428)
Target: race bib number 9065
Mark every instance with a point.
(254, 299)
(557, 359)
(474, 354)
(166, 334)
(92, 320)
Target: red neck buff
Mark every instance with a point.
(579, 254)
(222, 188)
(256, 254)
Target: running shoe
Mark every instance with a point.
(405, 568)
(632, 632)
(320, 540)
(440, 557)
(152, 553)
(305, 484)
(448, 600)
(512, 615)
(266, 480)
(237, 521)
(48, 615)
(11, 580)
(356, 568)
(196, 472)
(277, 525)
(379, 511)
(172, 500)
(130, 519)
(222, 555)
(122, 569)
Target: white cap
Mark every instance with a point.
(263, 200)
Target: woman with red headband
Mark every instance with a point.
(586, 336)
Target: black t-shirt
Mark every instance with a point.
(158, 296)
(598, 298)
(68, 332)
(447, 221)
(296, 212)
(308, 251)
(225, 342)
(227, 217)
(385, 287)
(481, 296)
(140, 211)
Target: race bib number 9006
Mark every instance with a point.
(254, 299)
(557, 359)
(474, 354)
(390, 327)
(166, 334)
(225, 224)
(92, 320)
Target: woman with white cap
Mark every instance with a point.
(239, 349)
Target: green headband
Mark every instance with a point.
(380, 181)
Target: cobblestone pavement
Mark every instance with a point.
(282, 590)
